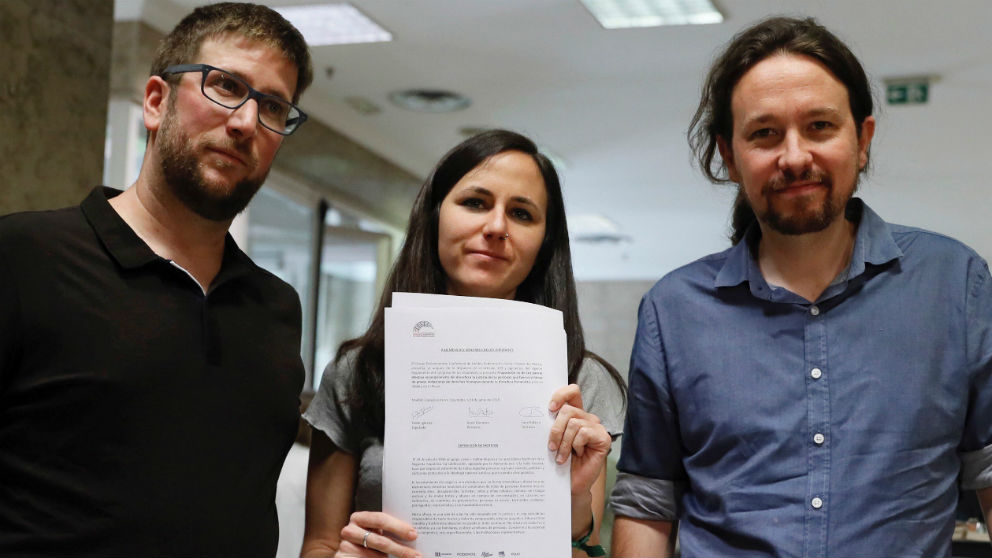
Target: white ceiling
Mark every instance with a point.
(614, 105)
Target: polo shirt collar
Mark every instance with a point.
(130, 252)
(117, 237)
(873, 244)
(235, 263)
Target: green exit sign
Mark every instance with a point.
(908, 92)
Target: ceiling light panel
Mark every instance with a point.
(618, 14)
(429, 100)
(334, 24)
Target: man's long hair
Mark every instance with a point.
(777, 35)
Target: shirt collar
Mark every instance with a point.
(127, 248)
(873, 244)
(235, 263)
(116, 236)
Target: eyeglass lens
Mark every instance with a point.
(229, 91)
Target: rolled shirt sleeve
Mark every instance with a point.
(646, 498)
(650, 472)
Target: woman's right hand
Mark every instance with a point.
(381, 533)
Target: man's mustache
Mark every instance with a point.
(788, 179)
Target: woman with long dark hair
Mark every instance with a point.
(488, 222)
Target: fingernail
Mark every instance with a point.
(552, 446)
(561, 459)
(412, 534)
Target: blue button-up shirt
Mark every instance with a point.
(770, 425)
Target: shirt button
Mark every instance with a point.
(816, 373)
(818, 438)
(814, 310)
(816, 503)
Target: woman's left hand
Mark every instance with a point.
(580, 433)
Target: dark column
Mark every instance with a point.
(54, 82)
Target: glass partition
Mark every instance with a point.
(350, 275)
(280, 239)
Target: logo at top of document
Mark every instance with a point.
(423, 328)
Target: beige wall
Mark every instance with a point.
(53, 100)
(134, 47)
(608, 310)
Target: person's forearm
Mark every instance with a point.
(588, 514)
(582, 518)
(985, 500)
(636, 538)
(331, 477)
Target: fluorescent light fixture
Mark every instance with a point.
(334, 24)
(618, 14)
(429, 100)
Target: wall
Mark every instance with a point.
(608, 310)
(53, 100)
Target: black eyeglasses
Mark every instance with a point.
(230, 91)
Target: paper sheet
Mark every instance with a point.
(466, 458)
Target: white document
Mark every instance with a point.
(466, 457)
(403, 300)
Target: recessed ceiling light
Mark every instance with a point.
(616, 14)
(429, 100)
(334, 24)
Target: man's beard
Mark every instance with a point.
(810, 218)
(184, 175)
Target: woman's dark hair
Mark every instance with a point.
(777, 35)
(418, 269)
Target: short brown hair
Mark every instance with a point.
(254, 22)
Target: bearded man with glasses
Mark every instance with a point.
(149, 370)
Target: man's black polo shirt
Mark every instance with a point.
(138, 415)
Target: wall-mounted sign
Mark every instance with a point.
(907, 91)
